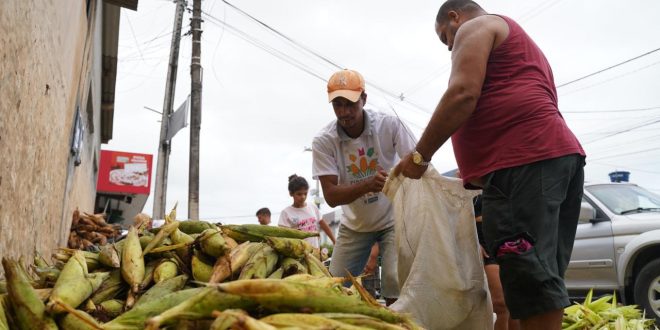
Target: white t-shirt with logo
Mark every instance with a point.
(306, 218)
(384, 141)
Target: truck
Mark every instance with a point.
(617, 245)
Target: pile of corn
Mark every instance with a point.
(90, 229)
(206, 277)
(604, 313)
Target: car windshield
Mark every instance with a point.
(624, 198)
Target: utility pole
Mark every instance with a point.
(160, 197)
(195, 110)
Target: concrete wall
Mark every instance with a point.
(45, 74)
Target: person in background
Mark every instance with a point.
(351, 157)
(302, 215)
(263, 216)
(501, 111)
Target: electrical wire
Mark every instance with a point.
(607, 68)
(625, 154)
(611, 111)
(610, 79)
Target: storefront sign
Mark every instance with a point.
(124, 172)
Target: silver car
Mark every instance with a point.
(617, 245)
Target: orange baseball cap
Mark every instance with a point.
(346, 83)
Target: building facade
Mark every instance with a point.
(58, 64)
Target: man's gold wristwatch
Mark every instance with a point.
(418, 159)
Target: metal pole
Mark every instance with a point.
(195, 110)
(160, 197)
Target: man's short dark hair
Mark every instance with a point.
(264, 211)
(455, 5)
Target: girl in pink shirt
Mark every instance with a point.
(301, 215)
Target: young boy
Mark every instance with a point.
(263, 215)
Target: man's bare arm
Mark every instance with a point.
(336, 194)
(474, 41)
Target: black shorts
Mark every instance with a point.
(538, 203)
(490, 260)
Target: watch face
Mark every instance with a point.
(417, 158)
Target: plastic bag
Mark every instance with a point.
(441, 274)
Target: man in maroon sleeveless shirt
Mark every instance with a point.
(509, 138)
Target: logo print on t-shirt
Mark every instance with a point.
(364, 164)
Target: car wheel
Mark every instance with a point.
(647, 289)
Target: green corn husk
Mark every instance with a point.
(290, 297)
(109, 309)
(362, 321)
(162, 289)
(28, 311)
(109, 257)
(165, 270)
(237, 319)
(195, 226)
(178, 237)
(134, 319)
(149, 270)
(112, 287)
(212, 243)
(91, 258)
(259, 232)
(79, 320)
(277, 274)
(47, 275)
(313, 321)
(290, 247)
(292, 266)
(132, 262)
(202, 267)
(74, 284)
(201, 306)
(604, 313)
(164, 232)
(4, 302)
(260, 265)
(315, 266)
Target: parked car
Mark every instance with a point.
(617, 245)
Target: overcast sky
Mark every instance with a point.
(259, 111)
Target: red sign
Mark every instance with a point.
(124, 172)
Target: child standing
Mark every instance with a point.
(301, 215)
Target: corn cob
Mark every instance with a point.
(221, 269)
(134, 319)
(307, 321)
(195, 226)
(179, 237)
(132, 263)
(74, 285)
(110, 288)
(261, 264)
(237, 320)
(292, 266)
(241, 254)
(161, 289)
(149, 270)
(4, 325)
(28, 309)
(259, 231)
(240, 236)
(289, 296)
(47, 275)
(277, 274)
(78, 320)
(166, 269)
(164, 232)
(109, 309)
(290, 247)
(141, 221)
(202, 267)
(362, 321)
(212, 243)
(200, 306)
(109, 257)
(315, 266)
(91, 258)
(231, 243)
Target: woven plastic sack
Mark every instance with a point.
(441, 274)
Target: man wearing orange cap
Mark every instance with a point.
(352, 155)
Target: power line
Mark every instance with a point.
(626, 154)
(624, 131)
(610, 79)
(611, 111)
(606, 69)
(624, 167)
